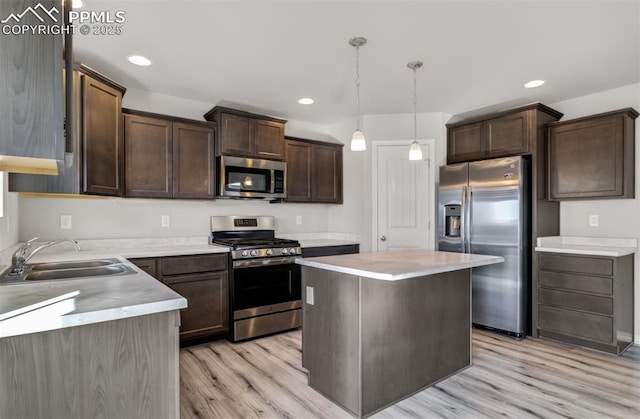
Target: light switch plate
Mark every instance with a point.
(65, 222)
(594, 221)
(309, 295)
(166, 221)
(299, 220)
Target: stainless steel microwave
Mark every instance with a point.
(240, 177)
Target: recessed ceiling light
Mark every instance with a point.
(534, 83)
(76, 4)
(305, 101)
(139, 60)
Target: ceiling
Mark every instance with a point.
(263, 56)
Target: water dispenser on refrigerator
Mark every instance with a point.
(452, 215)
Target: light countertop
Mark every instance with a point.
(309, 243)
(48, 305)
(398, 265)
(127, 248)
(324, 239)
(596, 246)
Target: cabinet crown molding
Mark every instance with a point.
(533, 106)
(212, 114)
(630, 112)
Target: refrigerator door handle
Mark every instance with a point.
(463, 220)
(467, 233)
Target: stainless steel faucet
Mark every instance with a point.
(21, 256)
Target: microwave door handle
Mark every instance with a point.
(273, 180)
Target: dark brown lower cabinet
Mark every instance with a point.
(204, 281)
(586, 300)
(207, 296)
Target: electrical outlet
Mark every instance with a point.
(309, 295)
(65, 222)
(299, 220)
(166, 221)
(594, 221)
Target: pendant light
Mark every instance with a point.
(415, 151)
(358, 142)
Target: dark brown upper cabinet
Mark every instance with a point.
(501, 134)
(101, 132)
(31, 108)
(168, 157)
(593, 157)
(507, 135)
(94, 155)
(314, 171)
(246, 134)
(465, 143)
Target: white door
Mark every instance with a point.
(404, 199)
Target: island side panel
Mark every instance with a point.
(115, 369)
(331, 335)
(415, 332)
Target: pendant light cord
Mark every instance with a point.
(358, 84)
(415, 107)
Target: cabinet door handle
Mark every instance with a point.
(383, 238)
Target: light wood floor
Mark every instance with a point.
(532, 378)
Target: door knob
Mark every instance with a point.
(383, 238)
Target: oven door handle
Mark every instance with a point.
(252, 263)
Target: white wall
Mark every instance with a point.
(357, 211)
(9, 219)
(618, 217)
(143, 100)
(128, 218)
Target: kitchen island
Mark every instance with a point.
(379, 327)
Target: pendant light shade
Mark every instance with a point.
(358, 143)
(415, 151)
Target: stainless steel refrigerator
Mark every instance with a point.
(484, 208)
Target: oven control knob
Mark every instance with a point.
(269, 252)
(245, 253)
(285, 251)
(292, 251)
(254, 253)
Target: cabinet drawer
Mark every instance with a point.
(178, 265)
(149, 265)
(576, 323)
(602, 305)
(577, 264)
(573, 282)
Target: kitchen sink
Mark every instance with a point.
(68, 270)
(78, 272)
(73, 264)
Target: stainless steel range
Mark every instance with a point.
(265, 283)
